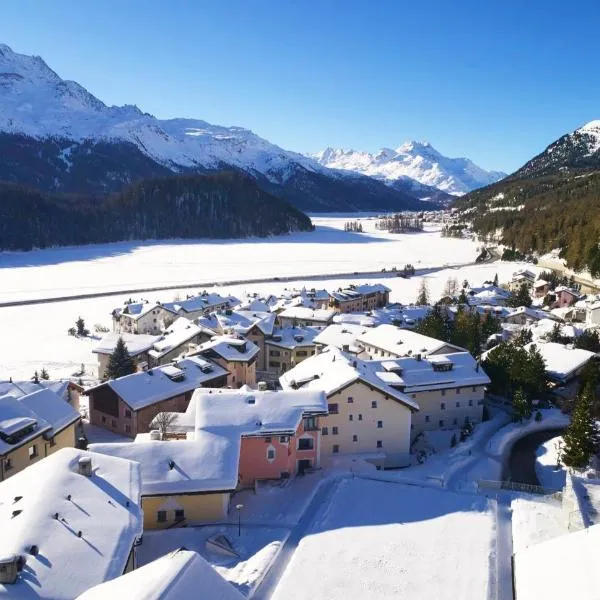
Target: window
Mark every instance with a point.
(373, 403)
(412, 427)
(470, 402)
(355, 438)
(443, 392)
(179, 514)
(379, 424)
(426, 418)
(333, 408)
(458, 405)
(301, 353)
(310, 424)
(350, 417)
(274, 363)
(32, 452)
(270, 453)
(161, 516)
(103, 419)
(443, 406)
(335, 449)
(334, 431)
(467, 421)
(127, 413)
(268, 439)
(360, 417)
(52, 442)
(305, 444)
(127, 428)
(325, 431)
(441, 422)
(284, 439)
(474, 388)
(274, 353)
(413, 396)
(379, 444)
(350, 399)
(458, 390)
(113, 423)
(7, 464)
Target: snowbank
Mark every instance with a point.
(546, 465)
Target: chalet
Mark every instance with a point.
(524, 315)
(196, 306)
(519, 278)
(174, 342)
(288, 346)
(360, 297)
(32, 427)
(129, 404)
(389, 341)
(64, 388)
(592, 314)
(235, 354)
(138, 346)
(343, 336)
(565, 296)
(540, 288)
(68, 522)
(563, 363)
(301, 316)
(142, 317)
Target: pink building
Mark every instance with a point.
(565, 297)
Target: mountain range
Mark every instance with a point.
(416, 164)
(57, 137)
(550, 203)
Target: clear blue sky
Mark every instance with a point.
(494, 81)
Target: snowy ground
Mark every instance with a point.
(536, 520)
(384, 540)
(547, 468)
(38, 333)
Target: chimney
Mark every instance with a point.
(84, 466)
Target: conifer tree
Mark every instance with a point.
(119, 362)
(44, 374)
(521, 406)
(521, 298)
(36, 377)
(462, 299)
(496, 279)
(81, 329)
(581, 437)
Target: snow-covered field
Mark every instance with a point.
(37, 334)
(384, 540)
(547, 467)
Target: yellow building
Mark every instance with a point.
(33, 427)
(183, 482)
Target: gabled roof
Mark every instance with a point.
(200, 303)
(142, 389)
(332, 370)
(182, 330)
(340, 335)
(532, 313)
(176, 576)
(22, 388)
(136, 310)
(230, 348)
(291, 337)
(135, 343)
(242, 321)
(402, 342)
(207, 464)
(561, 361)
(323, 315)
(103, 507)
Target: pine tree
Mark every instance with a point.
(521, 298)
(496, 279)
(462, 299)
(80, 325)
(521, 406)
(523, 337)
(119, 362)
(581, 437)
(35, 378)
(423, 295)
(44, 374)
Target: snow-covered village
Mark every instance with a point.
(294, 362)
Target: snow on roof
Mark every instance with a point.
(568, 290)
(178, 575)
(43, 409)
(293, 337)
(340, 335)
(234, 413)
(242, 321)
(208, 463)
(16, 389)
(178, 333)
(540, 283)
(532, 313)
(103, 507)
(232, 349)
(201, 302)
(136, 310)
(332, 370)
(563, 567)
(323, 315)
(136, 344)
(142, 389)
(561, 361)
(402, 342)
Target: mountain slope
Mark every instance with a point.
(414, 161)
(215, 205)
(58, 136)
(551, 202)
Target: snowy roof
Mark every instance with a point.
(234, 413)
(540, 283)
(358, 318)
(142, 389)
(22, 388)
(103, 507)
(563, 567)
(562, 288)
(179, 332)
(136, 310)
(200, 303)
(532, 313)
(293, 337)
(242, 321)
(323, 315)
(561, 361)
(332, 370)
(340, 335)
(44, 409)
(230, 348)
(357, 291)
(402, 342)
(136, 344)
(209, 463)
(178, 575)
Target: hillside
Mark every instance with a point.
(551, 202)
(216, 205)
(56, 136)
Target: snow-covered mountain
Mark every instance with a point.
(413, 161)
(57, 136)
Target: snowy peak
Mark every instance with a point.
(418, 161)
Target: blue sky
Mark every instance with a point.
(494, 81)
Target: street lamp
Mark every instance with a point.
(239, 509)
